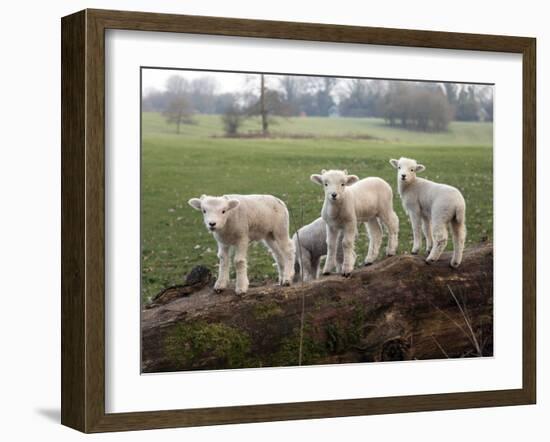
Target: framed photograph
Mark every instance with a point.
(268, 221)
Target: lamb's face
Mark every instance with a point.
(215, 210)
(334, 182)
(406, 169)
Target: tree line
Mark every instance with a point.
(423, 106)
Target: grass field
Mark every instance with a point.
(199, 160)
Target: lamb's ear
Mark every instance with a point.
(317, 179)
(394, 163)
(420, 168)
(351, 179)
(345, 171)
(232, 204)
(195, 203)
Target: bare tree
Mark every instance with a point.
(178, 112)
(265, 103)
(263, 107)
(176, 85)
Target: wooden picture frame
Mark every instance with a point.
(83, 220)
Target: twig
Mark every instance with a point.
(454, 322)
(440, 347)
(466, 321)
(302, 313)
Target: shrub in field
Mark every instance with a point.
(232, 120)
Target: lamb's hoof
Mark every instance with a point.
(454, 264)
(388, 254)
(285, 283)
(326, 273)
(430, 261)
(368, 264)
(414, 252)
(346, 275)
(240, 291)
(218, 291)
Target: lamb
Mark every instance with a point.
(235, 221)
(349, 201)
(310, 242)
(431, 207)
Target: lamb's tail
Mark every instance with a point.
(460, 214)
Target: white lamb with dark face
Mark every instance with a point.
(310, 242)
(349, 201)
(431, 207)
(235, 220)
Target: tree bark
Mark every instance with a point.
(263, 109)
(400, 308)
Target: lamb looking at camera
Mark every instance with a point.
(310, 242)
(349, 201)
(235, 220)
(431, 207)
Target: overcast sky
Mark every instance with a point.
(226, 82)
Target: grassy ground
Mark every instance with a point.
(178, 167)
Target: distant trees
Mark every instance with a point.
(417, 106)
(361, 98)
(178, 110)
(312, 96)
(471, 102)
(467, 107)
(486, 101)
(411, 105)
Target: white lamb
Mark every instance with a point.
(431, 207)
(310, 242)
(235, 220)
(349, 201)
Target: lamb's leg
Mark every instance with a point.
(458, 231)
(330, 262)
(417, 232)
(374, 232)
(277, 256)
(302, 263)
(339, 252)
(287, 251)
(315, 266)
(427, 230)
(391, 221)
(223, 271)
(241, 252)
(307, 270)
(348, 244)
(439, 234)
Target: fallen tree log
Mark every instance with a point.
(400, 308)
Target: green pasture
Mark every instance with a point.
(176, 167)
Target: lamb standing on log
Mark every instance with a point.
(431, 206)
(310, 242)
(235, 220)
(349, 201)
